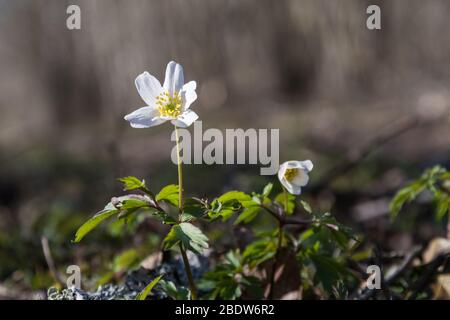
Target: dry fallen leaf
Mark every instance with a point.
(436, 247)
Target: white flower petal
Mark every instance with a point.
(301, 179)
(296, 190)
(148, 87)
(145, 117)
(307, 164)
(282, 171)
(188, 94)
(291, 188)
(293, 164)
(284, 182)
(174, 77)
(191, 85)
(186, 119)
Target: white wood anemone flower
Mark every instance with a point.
(293, 175)
(168, 102)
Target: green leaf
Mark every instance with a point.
(122, 206)
(169, 193)
(191, 237)
(107, 212)
(280, 199)
(125, 260)
(398, 201)
(180, 293)
(233, 258)
(445, 176)
(244, 199)
(306, 206)
(306, 235)
(407, 194)
(333, 230)
(104, 279)
(172, 237)
(163, 217)
(224, 210)
(132, 183)
(267, 189)
(227, 280)
(247, 215)
(133, 203)
(229, 203)
(144, 293)
(433, 179)
(231, 291)
(234, 195)
(328, 271)
(186, 217)
(253, 286)
(259, 251)
(442, 204)
(193, 209)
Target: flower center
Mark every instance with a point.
(290, 174)
(169, 105)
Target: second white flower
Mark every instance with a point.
(293, 175)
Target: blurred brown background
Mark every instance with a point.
(308, 67)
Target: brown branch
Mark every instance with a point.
(385, 135)
(294, 221)
(283, 220)
(274, 214)
(369, 293)
(152, 197)
(429, 274)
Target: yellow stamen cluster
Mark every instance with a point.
(169, 105)
(290, 174)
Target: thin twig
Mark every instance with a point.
(49, 259)
(354, 157)
(384, 286)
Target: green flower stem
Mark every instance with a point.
(187, 266)
(180, 172)
(286, 199)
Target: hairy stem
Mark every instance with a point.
(187, 267)
(188, 273)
